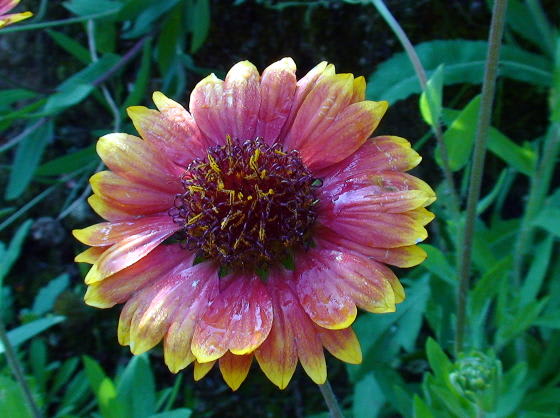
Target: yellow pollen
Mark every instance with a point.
(213, 164)
(254, 159)
(194, 219)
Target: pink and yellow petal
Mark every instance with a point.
(359, 90)
(202, 369)
(10, 19)
(109, 210)
(341, 343)
(172, 130)
(201, 285)
(278, 87)
(346, 132)
(228, 108)
(320, 296)
(238, 319)
(130, 196)
(330, 96)
(129, 250)
(90, 256)
(235, 368)
(119, 287)
(135, 160)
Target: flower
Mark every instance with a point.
(6, 6)
(256, 224)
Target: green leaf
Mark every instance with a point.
(431, 99)
(437, 264)
(38, 361)
(421, 410)
(137, 388)
(10, 96)
(10, 255)
(142, 78)
(169, 38)
(67, 97)
(12, 401)
(464, 60)
(537, 271)
(459, 137)
(71, 46)
(199, 23)
(144, 21)
(46, 298)
(368, 398)
(24, 332)
(516, 324)
(68, 163)
(439, 362)
(549, 219)
(175, 413)
(63, 374)
(92, 7)
(104, 389)
(28, 155)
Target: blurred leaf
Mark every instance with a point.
(368, 398)
(10, 96)
(437, 263)
(199, 18)
(169, 38)
(514, 384)
(142, 24)
(517, 13)
(105, 36)
(67, 97)
(421, 410)
(63, 374)
(24, 332)
(464, 60)
(549, 219)
(28, 155)
(92, 7)
(11, 254)
(523, 318)
(142, 78)
(521, 158)
(104, 390)
(38, 361)
(439, 362)
(137, 388)
(68, 163)
(382, 336)
(431, 99)
(175, 413)
(45, 299)
(537, 271)
(71, 46)
(12, 401)
(76, 391)
(485, 202)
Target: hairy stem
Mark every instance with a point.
(477, 170)
(17, 370)
(330, 400)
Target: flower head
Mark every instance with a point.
(8, 19)
(256, 224)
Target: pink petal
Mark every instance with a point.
(239, 320)
(230, 107)
(278, 87)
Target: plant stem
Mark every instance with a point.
(423, 80)
(330, 400)
(477, 170)
(63, 22)
(17, 370)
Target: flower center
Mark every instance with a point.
(246, 204)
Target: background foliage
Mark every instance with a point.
(68, 74)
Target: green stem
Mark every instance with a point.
(330, 400)
(423, 80)
(35, 26)
(477, 170)
(17, 370)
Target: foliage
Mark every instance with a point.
(113, 53)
